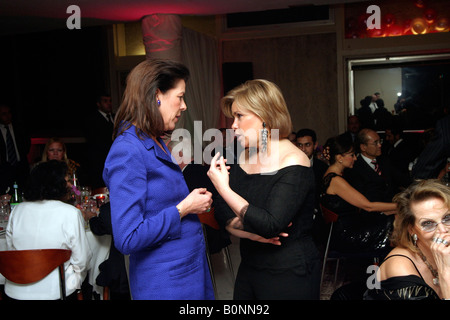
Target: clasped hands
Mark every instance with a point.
(219, 175)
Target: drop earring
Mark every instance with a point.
(414, 239)
(158, 102)
(264, 134)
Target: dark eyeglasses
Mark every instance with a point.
(376, 142)
(430, 226)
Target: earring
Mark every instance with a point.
(414, 239)
(158, 102)
(264, 134)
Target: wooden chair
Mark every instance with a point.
(28, 266)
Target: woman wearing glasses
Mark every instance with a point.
(419, 266)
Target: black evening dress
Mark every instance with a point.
(267, 271)
(410, 287)
(355, 231)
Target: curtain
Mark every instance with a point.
(203, 90)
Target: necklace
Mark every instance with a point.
(433, 271)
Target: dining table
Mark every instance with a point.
(99, 245)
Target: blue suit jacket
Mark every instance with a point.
(167, 256)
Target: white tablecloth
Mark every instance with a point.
(100, 246)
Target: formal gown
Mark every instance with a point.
(275, 200)
(408, 287)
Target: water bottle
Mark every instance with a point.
(16, 197)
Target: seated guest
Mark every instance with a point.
(55, 149)
(360, 226)
(418, 267)
(44, 221)
(353, 127)
(372, 174)
(113, 273)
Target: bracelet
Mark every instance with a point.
(179, 211)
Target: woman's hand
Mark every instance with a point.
(218, 172)
(197, 202)
(440, 248)
(235, 227)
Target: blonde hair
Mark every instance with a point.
(264, 99)
(47, 146)
(419, 191)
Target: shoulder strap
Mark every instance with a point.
(401, 255)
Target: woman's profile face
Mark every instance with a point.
(55, 151)
(246, 126)
(172, 104)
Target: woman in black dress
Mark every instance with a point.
(267, 198)
(354, 230)
(418, 267)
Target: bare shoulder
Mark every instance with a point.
(291, 155)
(398, 264)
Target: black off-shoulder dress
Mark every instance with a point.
(410, 287)
(267, 271)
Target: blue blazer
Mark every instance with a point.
(167, 255)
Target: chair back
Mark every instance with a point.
(328, 215)
(209, 219)
(28, 266)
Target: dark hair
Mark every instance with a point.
(307, 132)
(99, 96)
(366, 101)
(139, 106)
(338, 145)
(47, 182)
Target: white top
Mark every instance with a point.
(48, 224)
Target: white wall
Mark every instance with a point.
(385, 81)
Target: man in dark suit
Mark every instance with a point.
(307, 142)
(372, 173)
(434, 157)
(99, 127)
(15, 144)
(401, 152)
(353, 127)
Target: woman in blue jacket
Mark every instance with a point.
(153, 215)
